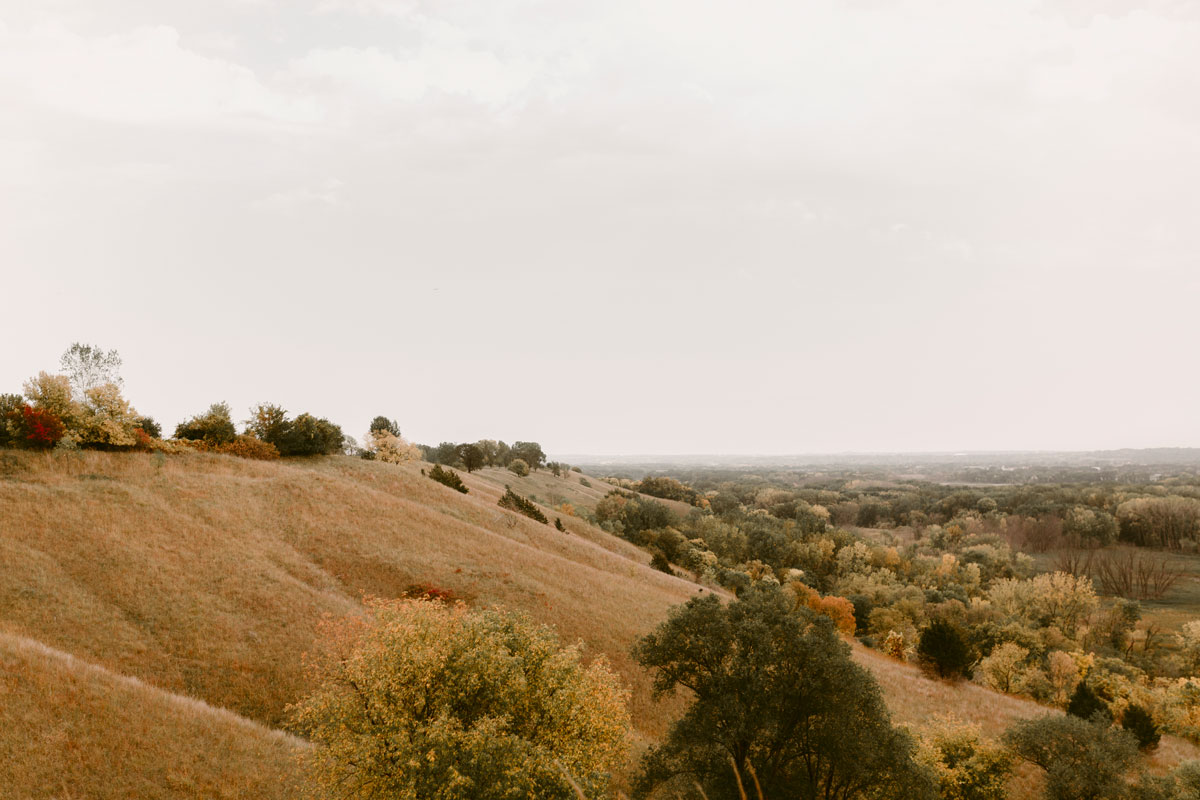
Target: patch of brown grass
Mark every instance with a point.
(73, 730)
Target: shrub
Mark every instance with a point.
(447, 477)
(519, 467)
(585, 482)
(428, 700)
(514, 502)
(1086, 704)
(40, 428)
(660, 562)
(1138, 722)
(943, 650)
(1082, 761)
(10, 418)
(310, 436)
(214, 426)
(558, 524)
(246, 446)
(428, 591)
(965, 765)
(149, 426)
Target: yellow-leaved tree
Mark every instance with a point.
(390, 448)
(419, 699)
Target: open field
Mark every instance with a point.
(205, 576)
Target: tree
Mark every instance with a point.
(519, 467)
(471, 457)
(445, 453)
(382, 423)
(1138, 722)
(1086, 704)
(88, 366)
(773, 689)
(150, 427)
(428, 700)
(1003, 666)
(310, 436)
(529, 452)
(1082, 760)
(447, 477)
(268, 422)
(10, 418)
(384, 446)
(943, 650)
(214, 426)
(965, 766)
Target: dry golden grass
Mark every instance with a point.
(73, 730)
(207, 575)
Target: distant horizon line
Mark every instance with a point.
(861, 453)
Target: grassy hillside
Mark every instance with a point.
(206, 576)
(72, 730)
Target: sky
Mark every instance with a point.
(617, 227)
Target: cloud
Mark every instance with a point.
(143, 76)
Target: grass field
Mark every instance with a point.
(130, 583)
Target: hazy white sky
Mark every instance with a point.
(619, 226)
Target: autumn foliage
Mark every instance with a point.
(41, 428)
(839, 609)
(421, 699)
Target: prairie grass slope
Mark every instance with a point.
(207, 576)
(70, 729)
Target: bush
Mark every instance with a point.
(1086, 704)
(310, 436)
(514, 502)
(1138, 722)
(214, 426)
(10, 418)
(519, 467)
(585, 482)
(40, 428)
(246, 446)
(558, 524)
(660, 562)
(1083, 761)
(447, 477)
(383, 445)
(428, 700)
(150, 427)
(943, 650)
(967, 766)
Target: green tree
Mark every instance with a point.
(943, 650)
(214, 426)
(529, 452)
(310, 436)
(519, 467)
(1086, 704)
(445, 453)
(428, 701)
(1082, 760)
(269, 422)
(470, 456)
(10, 418)
(1138, 722)
(774, 690)
(382, 423)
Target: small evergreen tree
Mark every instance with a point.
(382, 423)
(558, 524)
(448, 477)
(1086, 704)
(515, 502)
(943, 650)
(1138, 721)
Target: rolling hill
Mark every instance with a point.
(155, 610)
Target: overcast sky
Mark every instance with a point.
(618, 226)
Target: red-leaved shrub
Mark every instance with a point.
(41, 428)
